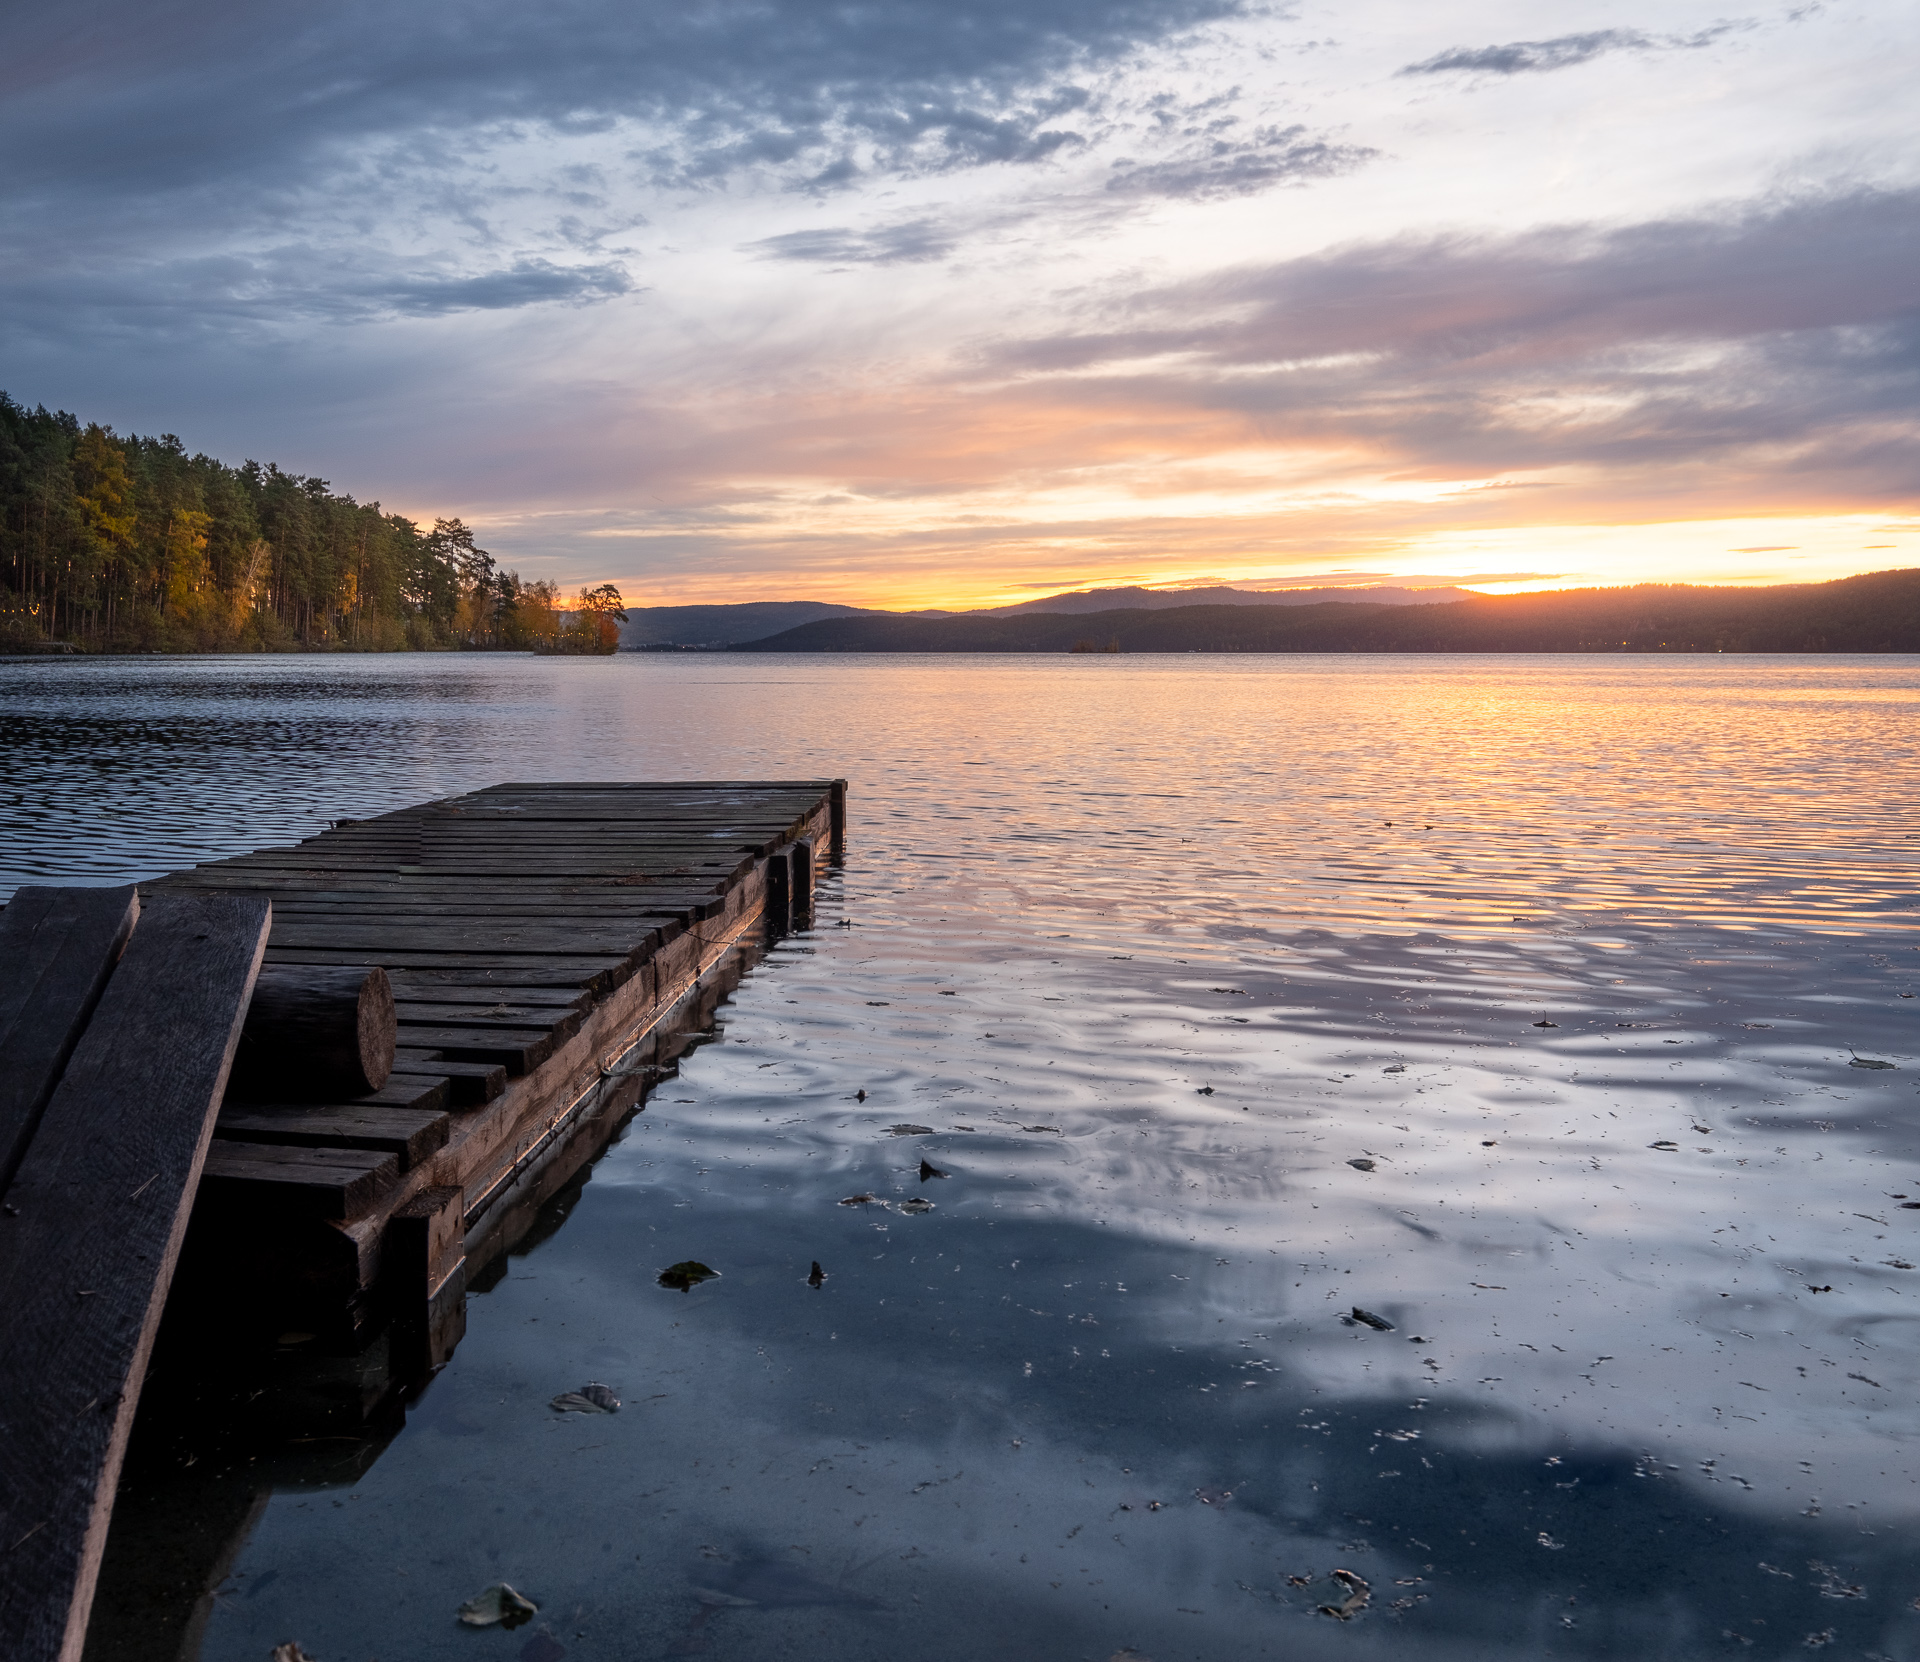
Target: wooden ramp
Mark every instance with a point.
(539, 938)
(117, 1031)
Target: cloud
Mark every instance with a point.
(1783, 334)
(910, 241)
(525, 283)
(287, 286)
(1222, 166)
(1525, 57)
(121, 98)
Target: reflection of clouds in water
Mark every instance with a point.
(989, 1400)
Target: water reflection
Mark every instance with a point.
(1141, 951)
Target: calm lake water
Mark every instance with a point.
(1584, 956)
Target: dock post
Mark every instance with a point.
(779, 902)
(423, 1264)
(802, 884)
(837, 818)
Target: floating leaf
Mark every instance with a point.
(589, 1399)
(1867, 1062)
(929, 1169)
(863, 1199)
(1546, 1024)
(1666, 1145)
(910, 1131)
(1397, 1067)
(816, 1275)
(916, 1205)
(1359, 1594)
(498, 1604)
(1361, 1165)
(685, 1276)
(1371, 1320)
(1204, 1090)
(1052, 1129)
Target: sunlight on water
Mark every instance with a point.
(1519, 1004)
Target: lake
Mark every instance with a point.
(1525, 1005)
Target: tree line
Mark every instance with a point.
(111, 543)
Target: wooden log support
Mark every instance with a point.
(778, 910)
(837, 818)
(802, 864)
(316, 1033)
(423, 1265)
(89, 1233)
(57, 948)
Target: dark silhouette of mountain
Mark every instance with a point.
(729, 625)
(1879, 612)
(1163, 600)
(724, 625)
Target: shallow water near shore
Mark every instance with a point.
(1517, 1003)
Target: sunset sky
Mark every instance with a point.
(963, 301)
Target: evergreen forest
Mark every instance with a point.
(130, 544)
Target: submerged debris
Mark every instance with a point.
(1359, 1594)
(816, 1275)
(542, 1647)
(1361, 1165)
(1369, 1319)
(290, 1652)
(498, 1604)
(686, 1275)
(589, 1399)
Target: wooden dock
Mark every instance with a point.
(547, 947)
(539, 939)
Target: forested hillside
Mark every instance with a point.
(130, 544)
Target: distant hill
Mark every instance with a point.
(1875, 613)
(1162, 600)
(657, 627)
(723, 625)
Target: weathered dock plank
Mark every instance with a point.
(57, 948)
(93, 1222)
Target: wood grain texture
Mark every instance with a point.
(407, 1133)
(336, 1183)
(316, 1032)
(57, 948)
(100, 1205)
(470, 1084)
